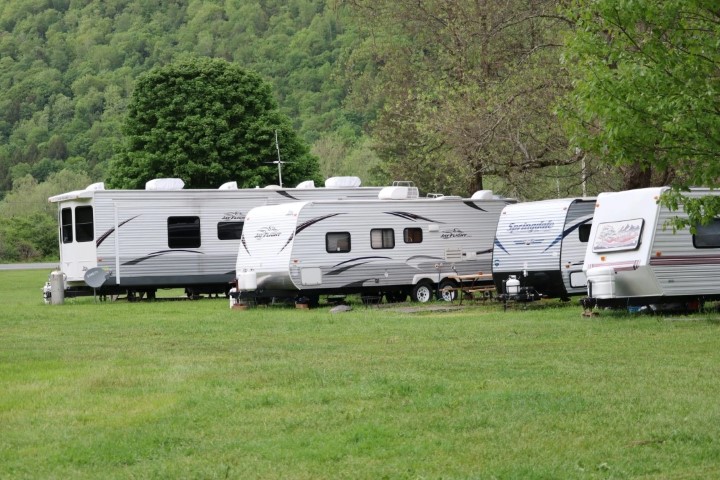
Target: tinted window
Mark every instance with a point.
(413, 235)
(337, 242)
(183, 232)
(707, 236)
(84, 229)
(584, 232)
(66, 230)
(382, 238)
(230, 230)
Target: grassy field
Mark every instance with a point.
(192, 389)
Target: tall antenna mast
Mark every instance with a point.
(279, 162)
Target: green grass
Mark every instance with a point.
(196, 390)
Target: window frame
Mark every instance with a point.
(714, 224)
(383, 238)
(84, 231)
(66, 225)
(414, 229)
(222, 232)
(183, 240)
(328, 237)
(584, 232)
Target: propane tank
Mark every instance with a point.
(57, 287)
(246, 281)
(512, 285)
(232, 296)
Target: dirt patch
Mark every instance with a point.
(397, 307)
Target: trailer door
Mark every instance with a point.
(77, 239)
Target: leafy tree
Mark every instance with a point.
(647, 92)
(28, 223)
(67, 68)
(28, 196)
(340, 157)
(207, 121)
(466, 89)
(29, 238)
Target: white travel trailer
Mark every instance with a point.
(137, 241)
(391, 246)
(542, 244)
(634, 260)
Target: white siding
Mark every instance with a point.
(446, 224)
(144, 257)
(528, 236)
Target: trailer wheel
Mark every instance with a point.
(448, 290)
(422, 292)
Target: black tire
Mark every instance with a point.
(448, 290)
(422, 292)
(191, 294)
(313, 301)
(396, 297)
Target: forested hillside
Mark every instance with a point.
(67, 69)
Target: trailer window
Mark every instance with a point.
(584, 232)
(66, 230)
(337, 242)
(707, 236)
(230, 230)
(412, 235)
(618, 236)
(183, 232)
(84, 228)
(382, 238)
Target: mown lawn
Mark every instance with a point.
(192, 389)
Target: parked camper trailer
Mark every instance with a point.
(165, 236)
(633, 260)
(392, 246)
(542, 245)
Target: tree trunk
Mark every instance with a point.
(477, 182)
(636, 176)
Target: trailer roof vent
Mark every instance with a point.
(165, 184)
(228, 186)
(96, 186)
(398, 193)
(343, 182)
(482, 195)
(306, 184)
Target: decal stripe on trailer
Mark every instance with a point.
(473, 205)
(340, 270)
(104, 236)
(158, 254)
(567, 232)
(682, 260)
(305, 225)
(619, 266)
(411, 216)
